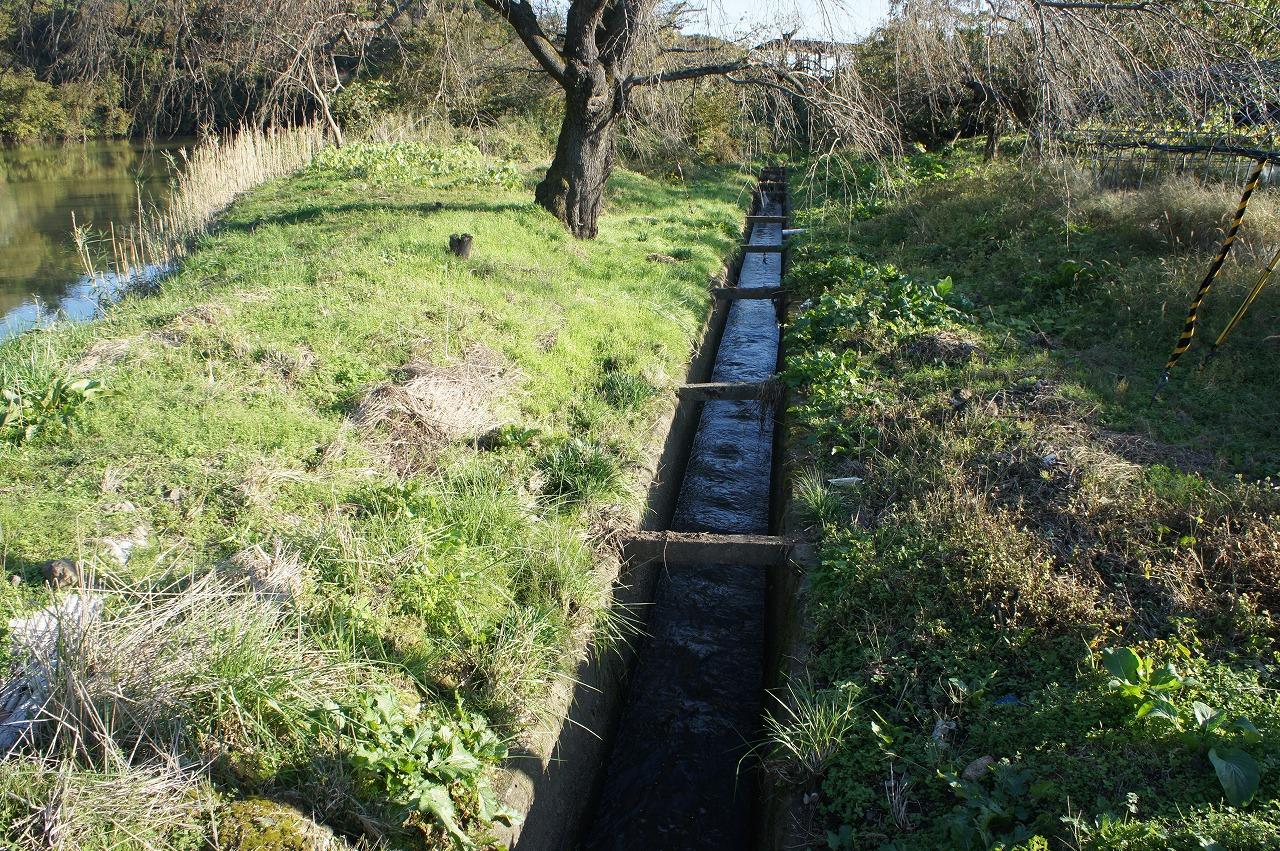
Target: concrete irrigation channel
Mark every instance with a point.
(652, 753)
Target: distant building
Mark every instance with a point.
(811, 56)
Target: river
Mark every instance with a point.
(41, 275)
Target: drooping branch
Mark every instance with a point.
(1080, 4)
(719, 69)
(520, 15)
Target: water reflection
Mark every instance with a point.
(41, 276)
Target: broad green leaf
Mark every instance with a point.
(1237, 772)
(1166, 679)
(434, 799)
(1162, 709)
(1123, 663)
(1207, 718)
(1244, 725)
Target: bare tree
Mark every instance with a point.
(189, 61)
(1049, 65)
(612, 52)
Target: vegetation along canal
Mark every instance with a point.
(41, 275)
(673, 780)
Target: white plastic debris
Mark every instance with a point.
(845, 482)
(121, 548)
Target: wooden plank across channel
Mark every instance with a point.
(762, 249)
(737, 293)
(710, 548)
(729, 391)
(763, 219)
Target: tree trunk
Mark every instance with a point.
(573, 188)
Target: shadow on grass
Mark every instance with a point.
(313, 212)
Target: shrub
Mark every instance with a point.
(31, 408)
(29, 109)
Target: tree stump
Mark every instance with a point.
(460, 245)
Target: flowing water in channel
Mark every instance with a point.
(41, 276)
(694, 700)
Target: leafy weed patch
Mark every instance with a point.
(1062, 635)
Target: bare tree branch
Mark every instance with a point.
(718, 69)
(520, 15)
(1079, 4)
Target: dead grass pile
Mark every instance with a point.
(178, 330)
(432, 405)
(941, 346)
(102, 353)
(276, 575)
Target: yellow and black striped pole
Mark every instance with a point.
(1246, 304)
(1189, 328)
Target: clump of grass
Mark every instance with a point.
(517, 665)
(806, 728)
(57, 805)
(579, 471)
(625, 391)
(183, 666)
(819, 503)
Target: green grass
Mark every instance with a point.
(276, 392)
(1016, 513)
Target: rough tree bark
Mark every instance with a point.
(596, 47)
(573, 188)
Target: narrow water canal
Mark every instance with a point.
(673, 780)
(41, 276)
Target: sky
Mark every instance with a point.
(846, 19)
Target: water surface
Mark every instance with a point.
(41, 275)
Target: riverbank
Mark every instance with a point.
(1044, 610)
(83, 223)
(388, 468)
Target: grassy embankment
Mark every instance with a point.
(1024, 540)
(339, 493)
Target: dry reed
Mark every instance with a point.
(207, 178)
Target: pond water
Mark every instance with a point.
(41, 275)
